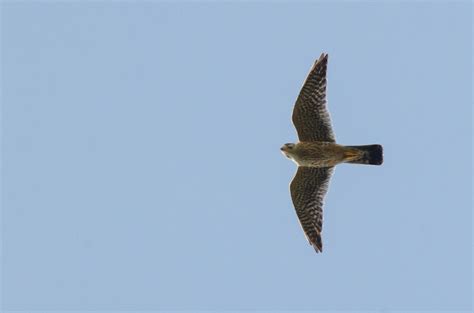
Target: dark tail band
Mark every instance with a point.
(373, 154)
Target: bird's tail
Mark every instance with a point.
(370, 154)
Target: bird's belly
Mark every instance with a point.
(319, 162)
(320, 155)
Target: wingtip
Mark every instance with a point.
(317, 248)
(323, 59)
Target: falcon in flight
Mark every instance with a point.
(317, 153)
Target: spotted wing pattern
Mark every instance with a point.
(310, 115)
(308, 188)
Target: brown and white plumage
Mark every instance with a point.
(308, 188)
(310, 114)
(317, 153)
(313, 123)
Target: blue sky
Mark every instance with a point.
(141, 167)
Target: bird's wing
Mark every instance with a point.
(308, 188)
(310, 114)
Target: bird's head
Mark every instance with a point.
(288, 149)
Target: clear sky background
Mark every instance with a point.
(141, 167)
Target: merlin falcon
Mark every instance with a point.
(317, 153)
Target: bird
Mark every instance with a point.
(317, 153)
